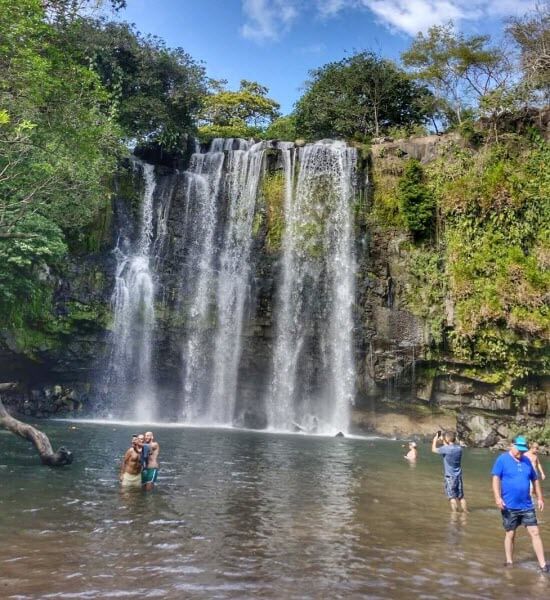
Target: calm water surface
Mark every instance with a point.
(250, 515)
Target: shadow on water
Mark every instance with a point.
(247, 515)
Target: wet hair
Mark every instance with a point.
(450, 436)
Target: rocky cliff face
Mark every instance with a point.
(406, 381)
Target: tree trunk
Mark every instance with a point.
(40, 440)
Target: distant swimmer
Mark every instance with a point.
(412, 454)
(130, 470)
(150, 470)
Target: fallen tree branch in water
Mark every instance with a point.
(39, 439)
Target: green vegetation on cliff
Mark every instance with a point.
(479, 274)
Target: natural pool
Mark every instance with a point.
(241, 514)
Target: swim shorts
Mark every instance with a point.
(131, 480)
(454, 488)
(512, 519)
(149, 475)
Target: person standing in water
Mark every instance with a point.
(412, 454)
(511, 475)
(130, 470)
(149, 473)
(452, 465)
(533, 456)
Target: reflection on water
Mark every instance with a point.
(249, 515)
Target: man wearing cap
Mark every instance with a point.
(512, 474)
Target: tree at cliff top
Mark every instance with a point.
(283, 128)
(532, 35)
(58, 143)
(359, 96)
(157, 91)
(244, 113)
(459, 69)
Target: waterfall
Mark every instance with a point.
(134, 314)
(243, 176)
(193, 254)
(201, 200)
(217, 274)
(313, 370)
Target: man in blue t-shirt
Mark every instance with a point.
(452, 466)
(512, 474)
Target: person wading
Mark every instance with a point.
(512, 474)
(130, 470)
(452, 465)
(150, 471)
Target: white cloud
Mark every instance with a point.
(267, 20)
(329, 8)
(412, 16)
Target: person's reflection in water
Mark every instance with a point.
(456, 530)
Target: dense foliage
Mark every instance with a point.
(360, 96)
(156, 91)
(58, 143)
(243, 113)
(416, 200)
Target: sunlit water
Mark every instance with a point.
(250, 515)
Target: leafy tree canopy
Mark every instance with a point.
(359, 96)
(459, 69)
(58, 144)
(157, 91)
(532, 34)
(242, 113)
(283, 128)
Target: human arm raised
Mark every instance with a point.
(434, 443)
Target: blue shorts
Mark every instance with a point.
(454, 488)
(512, 519)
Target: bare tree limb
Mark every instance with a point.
(39, 439)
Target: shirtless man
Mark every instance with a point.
(150, 472)
(412, 454)
(130, 470)
(533, 456)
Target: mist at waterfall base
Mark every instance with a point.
(247, 515)
(205, 221)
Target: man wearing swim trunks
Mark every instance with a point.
(150, 473)
(512, 473)
(130, 470)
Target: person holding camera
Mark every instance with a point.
(446, 446)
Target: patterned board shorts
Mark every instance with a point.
(512, 519)
(454, 488)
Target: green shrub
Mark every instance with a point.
(416, 201)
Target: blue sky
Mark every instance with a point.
(276, 42)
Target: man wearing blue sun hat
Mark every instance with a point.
(512, 474)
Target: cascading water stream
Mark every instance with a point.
(201, 197)
(243, 177)
(134, 315)
(313, 370)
